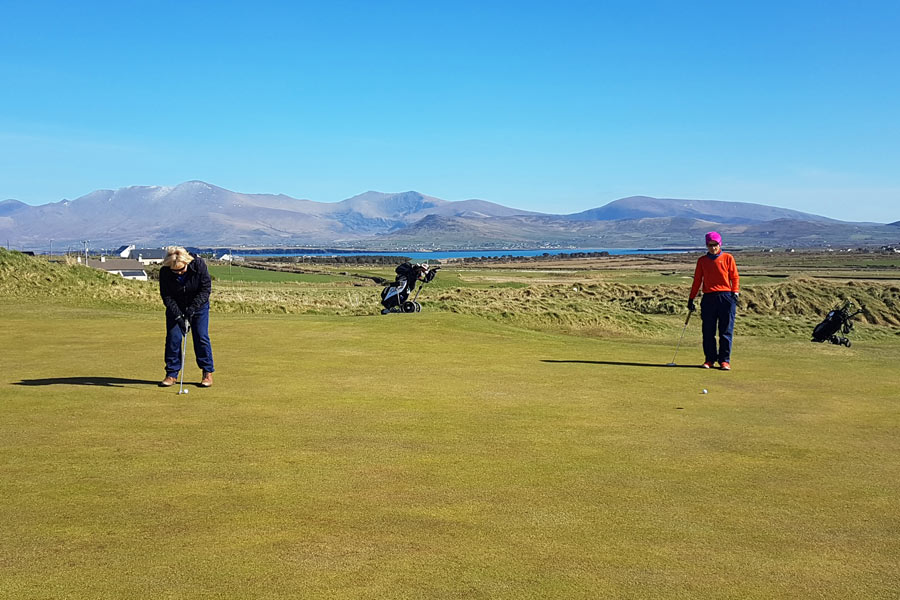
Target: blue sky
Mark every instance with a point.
(549, 106)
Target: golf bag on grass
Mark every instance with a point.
(395, 297)
(837, 321)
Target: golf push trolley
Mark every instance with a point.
(836, 322)
(395, 296)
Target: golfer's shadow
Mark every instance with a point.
(620, 364)
(94, 381)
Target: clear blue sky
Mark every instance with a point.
(549, 106)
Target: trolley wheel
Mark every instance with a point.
(409, 306)
(418, 307)
(846, 342)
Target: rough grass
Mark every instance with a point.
(437, 456)
(34, 278)
(583, 302)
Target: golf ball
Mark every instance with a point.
(703, 392)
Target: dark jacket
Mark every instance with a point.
(188, 296)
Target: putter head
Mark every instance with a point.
(671, 364)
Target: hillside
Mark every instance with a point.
(199, 214)
(648, 232)
(640, 207)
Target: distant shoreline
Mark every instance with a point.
(276, 251)
(433, 255)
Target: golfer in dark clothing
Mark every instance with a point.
(185, 284)
(717, 273)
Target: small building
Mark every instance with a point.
(148, 256)
(125, 267)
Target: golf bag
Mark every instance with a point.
(395, 297)
(837, 321)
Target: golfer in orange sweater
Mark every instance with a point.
(717, 273)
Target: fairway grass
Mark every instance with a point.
(439, 455)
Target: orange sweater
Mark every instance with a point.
(719, 275)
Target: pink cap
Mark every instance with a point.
(712, 236)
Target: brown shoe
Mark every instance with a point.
(207, 379)
(168, 381)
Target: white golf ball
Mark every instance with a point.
(703, 392)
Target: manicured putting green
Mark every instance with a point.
(440, 456)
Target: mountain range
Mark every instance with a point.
(196, 213)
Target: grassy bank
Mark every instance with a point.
(591, 302)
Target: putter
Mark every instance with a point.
(683, 329)
(181, 389)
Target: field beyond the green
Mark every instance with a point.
(441, 455)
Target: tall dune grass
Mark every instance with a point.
(585, 304)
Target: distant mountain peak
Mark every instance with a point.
(198, 213)
(8, 207)
(195, 183)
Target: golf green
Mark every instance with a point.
(438, 455)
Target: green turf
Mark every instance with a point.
(440, 455)
(233, 273)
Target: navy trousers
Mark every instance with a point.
(717, 311)
(200, 337)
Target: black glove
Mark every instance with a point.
(183, 324)
(691, 306)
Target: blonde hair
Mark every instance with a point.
(176, 255)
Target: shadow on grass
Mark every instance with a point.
(95, 381)
(621, 364)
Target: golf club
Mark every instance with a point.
(683, 329)
(416, 304)
(424, 283)
(181, 389)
